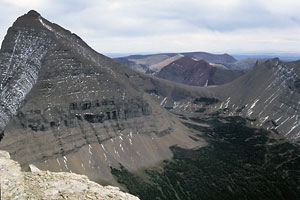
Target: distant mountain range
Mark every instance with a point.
(238, 62)
(190, 71)
(193, 68)
(146, 62)
(281, 56)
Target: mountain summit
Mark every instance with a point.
(66, 107)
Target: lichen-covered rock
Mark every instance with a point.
(37, 184)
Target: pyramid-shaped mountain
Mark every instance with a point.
(65, 107)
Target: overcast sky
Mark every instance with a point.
(131, 26)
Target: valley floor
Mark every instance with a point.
(240, 162)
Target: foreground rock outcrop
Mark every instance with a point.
(48, 185)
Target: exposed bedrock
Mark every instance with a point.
(21, 56)
(76, 110)
(269, 96)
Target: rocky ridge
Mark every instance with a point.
(20, 63)
(79, 111)
(269, 95)
(37, 184)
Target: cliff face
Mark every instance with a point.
(80, 111)
(48, 185)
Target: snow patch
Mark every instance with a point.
(250, 111)
(90, 152)
(82, 166)
(206, 84)
(163, 101)
(45, 25)
(116, 152)
(292, 129)
(227, 102)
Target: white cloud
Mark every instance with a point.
(244, 41)
(26, 3)
(171, 25)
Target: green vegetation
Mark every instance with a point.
(240, 163)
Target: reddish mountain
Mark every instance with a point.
(190, 71)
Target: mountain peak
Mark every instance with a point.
(43, 63)
(33, 13)
(30, 19)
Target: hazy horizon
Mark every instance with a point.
(282, 56)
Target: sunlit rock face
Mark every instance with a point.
(76, 110)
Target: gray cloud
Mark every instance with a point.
(177, 25)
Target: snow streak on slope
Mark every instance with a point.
(20, 63)
(269, 95)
